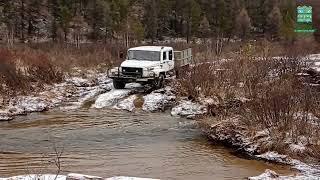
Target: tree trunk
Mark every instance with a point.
(21, 20)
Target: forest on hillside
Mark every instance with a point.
(135, 20)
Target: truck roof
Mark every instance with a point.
(150, 48)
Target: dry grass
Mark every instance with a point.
(26, 68)
(277, 100)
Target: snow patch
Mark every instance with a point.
(27, 104)
(38, 177)
(188, 109)
(71, 176)
(267, 175)
(158, 100)
(109, 99)
(74, 176)
(5, 115)
(274, 156)
(81, 82)
(127, 104)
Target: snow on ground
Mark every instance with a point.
(314, 61)
(27, 104)
(267, 175)
(188, 109)
(274, 156)
(85, 95)
(305, 171)
(127, 104)
(109, 99)
(74, 176)
(71, 94)
(158, 100)
(5, 115)
(71, 176)
(81, 82)
(37, 177)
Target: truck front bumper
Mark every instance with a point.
(117, 75)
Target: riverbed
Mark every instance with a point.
(111, 143)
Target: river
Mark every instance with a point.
(110, 143)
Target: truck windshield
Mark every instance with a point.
(144, 55)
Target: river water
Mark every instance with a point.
(110, 143)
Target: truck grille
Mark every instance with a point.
(136, 72)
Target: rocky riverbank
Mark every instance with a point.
(71, 176)
(95, 90)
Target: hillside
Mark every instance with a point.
(135, 20)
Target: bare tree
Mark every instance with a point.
(57, 159)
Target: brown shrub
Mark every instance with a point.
(38, 67)
(11, 78)
(277, 99)
(87, 56)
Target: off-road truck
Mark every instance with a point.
(149, 65)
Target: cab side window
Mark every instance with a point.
(164, 55)
(171, 55)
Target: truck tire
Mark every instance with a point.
(119, 84)
(159, 82)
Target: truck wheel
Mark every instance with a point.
(119, 84)
(159, 82)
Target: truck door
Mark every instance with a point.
(168, 60)
(171, 59)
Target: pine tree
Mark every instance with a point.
(100, 19)
(64, 16)
(274, 22)
(151, 19)
(288, 25)
(192, 14)
(243, 24)
(204, 28)
(10, 20)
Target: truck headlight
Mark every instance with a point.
(150, 69)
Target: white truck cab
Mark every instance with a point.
(148, 65)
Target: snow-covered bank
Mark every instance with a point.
(159, 100)
(111, 98)
(188, 109)
(71, 176)
(234, 133)
(71, 94)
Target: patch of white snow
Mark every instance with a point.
(127, 104)
(37, 177)
(109, 99)
(267, 175)
(274, 156)
(188, 108)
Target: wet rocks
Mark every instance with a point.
(109, 99)
(74, 176)
(188, 109)
(267, 175)
(127, 104)
(71, 176)
(5, 116)
(28, 104)
(158, 100)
